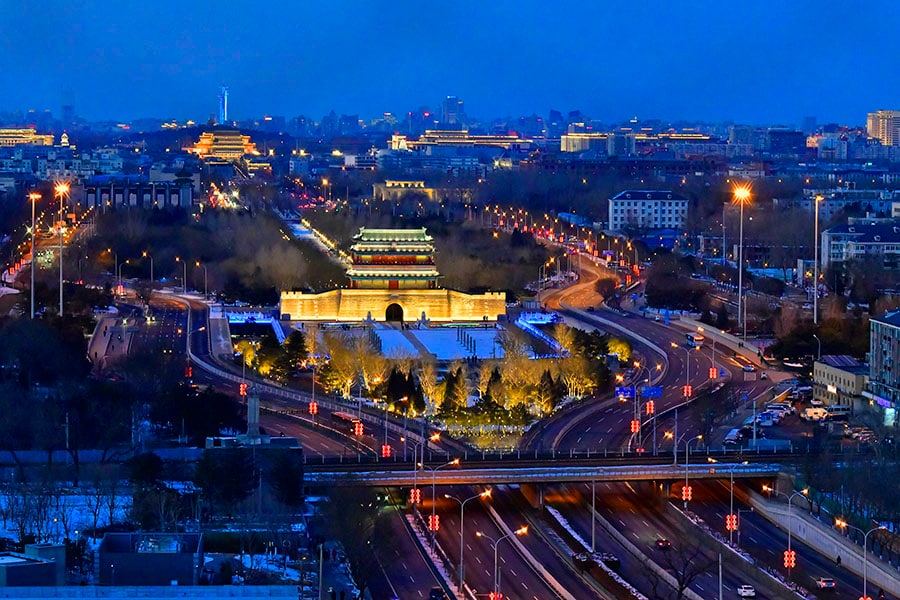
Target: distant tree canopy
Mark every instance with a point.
(669, 284)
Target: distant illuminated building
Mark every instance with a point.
(223, 106)
(225, 144)
(452, 111)
(393, 277)
(14, 137)
(884, 125)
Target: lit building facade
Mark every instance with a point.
(647, 209)
(839, 379)
(15, 137)
(884, 364)
(393, 277)
(225, 144)
(884, 125)
(855, 241)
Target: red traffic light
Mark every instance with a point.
(686, 493)
(188, 372)
(243, 389)
(357, 428)
(651, 407)
(434, 522)
(415, 496)
(386, 451)
(687, 391)
(313, 408)
(790, 559)
(731, 522)
(713, 373)
(635, 426)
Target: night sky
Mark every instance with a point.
(753, 62)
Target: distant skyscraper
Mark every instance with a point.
(884, 125)
(223, 106)
(452, 111)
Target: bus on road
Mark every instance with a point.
(693, 340)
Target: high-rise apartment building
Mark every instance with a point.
(884, 125)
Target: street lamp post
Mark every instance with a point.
(819, 198)
(147, 255)
(819, 355)
(462, 516)
(127, 261)
(34, 197)
(845, 525)
(790, 499)
(184, 278)
(205, 278)
(496, 545)
(687, 456)
(116, 269)
(62, 190)
(731, 498)
(434, 471)
(416, 445)
(741, 196)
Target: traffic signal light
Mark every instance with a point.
(687, 391)
(188, 372)
(790, 559)
(713, 373)
(731, 522)
(635, 426)
(314, 408)
(686, 493)
(243, 389)
(415, 496)
(651, 407)
(434, 522)
(385, 451)
(495, 596)
(357, 428)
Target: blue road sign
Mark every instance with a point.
(651, 391)
(625, 391)
(744, 396)
(721, 372)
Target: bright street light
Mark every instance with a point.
(462, 516)
(434, 471)
(62, 191)
(845, 525)
(741, 196)
(496, 544)
(34, 197)
(790, 497)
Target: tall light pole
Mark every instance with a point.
(741, 196)
(184, 279)
(435, 437)
(62, 191)
(819, 198)
(462, 516)
(731, 514)
(845, 525)
(790, 498)
(145, 254)
(434, 471)
(34, 197)
(205, 278)
(687, 458)
(116, 267)
(127, 261)
(496, 545)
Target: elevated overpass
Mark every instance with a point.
(551, 473)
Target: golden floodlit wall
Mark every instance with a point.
(358, 304)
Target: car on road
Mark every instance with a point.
(663, 544)
(748, 368)
(437, 594)
(746, 591)
(825, 583)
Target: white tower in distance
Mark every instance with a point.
(223, 106)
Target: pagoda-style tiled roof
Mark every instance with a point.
(392, 235)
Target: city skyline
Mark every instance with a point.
(611, 61)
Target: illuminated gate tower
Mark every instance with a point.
(392, 259)
(392, 278)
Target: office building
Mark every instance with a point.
(885, 126)
(839, 379)
(453, 111)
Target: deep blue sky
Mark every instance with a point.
(755, 62)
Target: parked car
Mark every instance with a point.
(825, 583)
(746, 591)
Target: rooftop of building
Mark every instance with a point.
(890, 318)
(844, 362)
(875, 231)
(648, 195)
(392, 235)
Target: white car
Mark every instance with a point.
(746, 591)
(825, 583)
